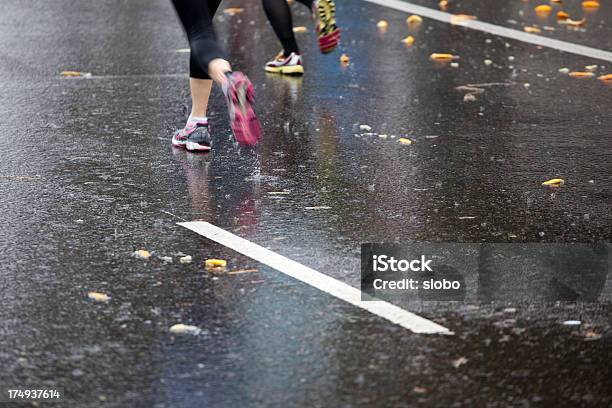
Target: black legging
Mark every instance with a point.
(196, 16)
(279, 14)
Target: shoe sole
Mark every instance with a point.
(326, 12)
(196, 147)
(244, 122)
(291, 70)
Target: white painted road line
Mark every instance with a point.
(497, 30)
(325, 283)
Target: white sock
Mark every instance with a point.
(203, 119)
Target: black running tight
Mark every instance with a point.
(279, 14)
(196, 16)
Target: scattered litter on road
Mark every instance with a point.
(564, 70)
(419, 390)
(166, 259)
(607, 77)
(408, 40)
(241, 271)
(573, 23)
(345, 59)
(414, 19)
(459, 362)
(590, 4)
(405, 141)
(562, 15)
(572, 323)
(183, 50)
(365, 127)
(185, 259)
(233, 10)
(382, 24)
(181, 328)
(458, 19)
(443, 4)
(279, 192)
(443, 56)
(488, 62)
(300, 29)
(215, 263)
(98, 297)
(509, 310)
(581, 74)
(531, 29)
(75, 74)
(554, 183)
(591, 336)
(591, 68)
(543, 9)
(142, 254)
(454, 64)
(318, 207)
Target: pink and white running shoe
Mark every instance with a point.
(195, 137)
(240, 95)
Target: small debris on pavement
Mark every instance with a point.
(543, 9)
(181, 328)
(531, 29)
(562, 15)
(98, 297)
(488, 62)
(185, 259)
(591, 336)
(459, 362)
(591, 68)
(581, 74)
(405, 141)
(215, 263)
(590, 4)
(554, 183)
(419, 390)
(454, 64)
(408, 40)
(166, 259)
(572, 323)
(300, 29)
(443, 4)
(345, 59)
(607, 77)
(382, 24)
(443, 56)
(573, 23)
(233, 10)
(75, 74)
(142, 254)
(414, 19)
(461, 18)
(564, 70)
(365, 127)
(318, 207)
(183, 50)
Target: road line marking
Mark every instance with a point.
(325, 283)
(497, 30)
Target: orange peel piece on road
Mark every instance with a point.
(581, 74)
(562, 15)
(607, 77)
(590, 4)
(543, 9)
(442, 56)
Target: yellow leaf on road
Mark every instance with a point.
(215, 263)
(442, 56)
(562, 15)
(554, 183)
(405, 141)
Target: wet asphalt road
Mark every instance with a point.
(87, 176)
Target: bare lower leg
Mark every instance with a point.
(200, 92)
